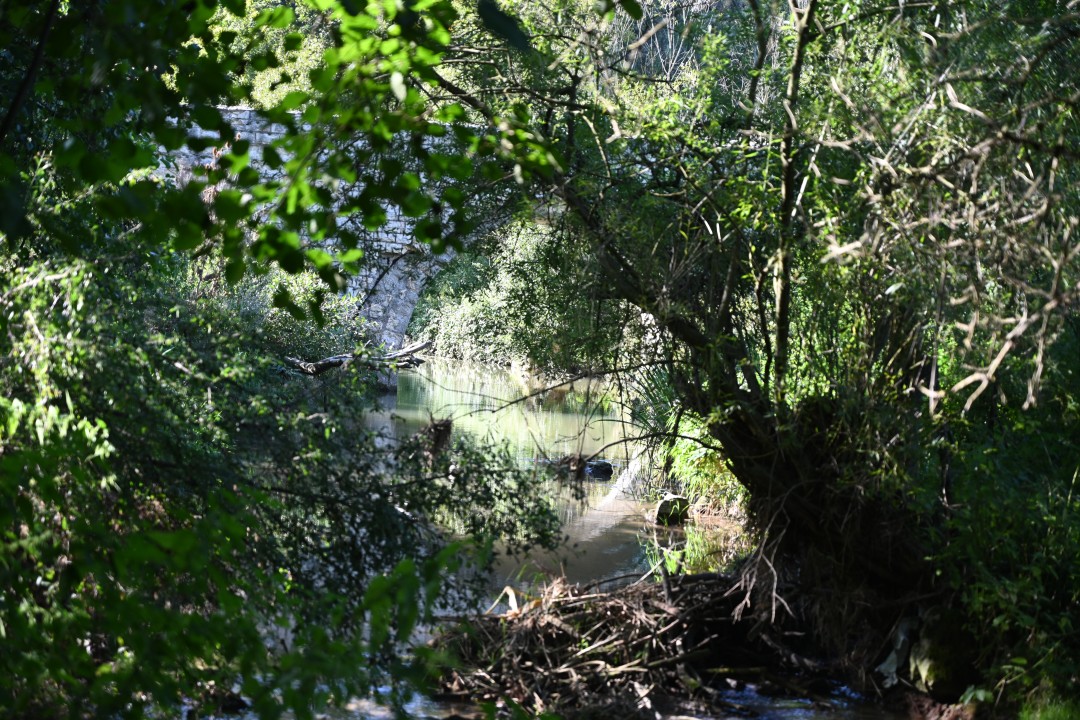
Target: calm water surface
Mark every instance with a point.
(607, 530)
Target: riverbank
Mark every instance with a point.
(664, 647)
(556, 648)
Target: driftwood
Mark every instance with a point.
(619, 650)
(669, 647)
(404, 358)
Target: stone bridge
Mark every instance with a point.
(396, 267)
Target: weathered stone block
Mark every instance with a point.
(672, 510)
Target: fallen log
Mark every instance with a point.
(404, 358)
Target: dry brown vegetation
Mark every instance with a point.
(580, 651)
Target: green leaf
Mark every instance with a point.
(351, 256)
(234, 270)
(236, 161)
(169, 136)
(278, 18)
(188, 236)
(207, 117)
(501, 25)
(632, 8)
(13, 223)
(290, 259)
(320, 258)
(414, 204)
(283, 299)
(293, 41)
(271, 158)
(293, 100)
(95, 168)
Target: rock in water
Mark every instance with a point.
(672, 510)
(599, 469)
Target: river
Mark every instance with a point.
(608, 533)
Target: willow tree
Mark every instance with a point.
(182, 518)
(853, 225)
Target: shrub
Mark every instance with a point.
(183, 515)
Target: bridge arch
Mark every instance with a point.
(387, 294)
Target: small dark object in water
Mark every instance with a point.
(434, 440)
(599, 469)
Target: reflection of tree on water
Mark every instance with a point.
(495, 405)
(555, 431)
(601, 521)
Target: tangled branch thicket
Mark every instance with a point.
(578, 650)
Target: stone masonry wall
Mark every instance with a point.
(396, 268)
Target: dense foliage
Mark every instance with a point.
(525, 303)
(844, 232)
(184, 519)
(853, 225)
(182, 513)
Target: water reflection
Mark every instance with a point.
(539, 427)
(607, 531)
(495, 405)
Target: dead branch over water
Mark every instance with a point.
(622, 650)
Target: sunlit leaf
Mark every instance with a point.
(397, 85)
(632, 8)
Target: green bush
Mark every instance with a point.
(183, 515)
(1051, 710)
(692, 464)
(1013, 528)
(524, 298)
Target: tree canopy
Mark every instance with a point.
(853, 229)
(844, 231)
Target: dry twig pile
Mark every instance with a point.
(624, 650)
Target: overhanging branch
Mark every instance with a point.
(404, 358)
